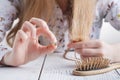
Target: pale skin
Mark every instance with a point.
(26, 47)
(97, 48)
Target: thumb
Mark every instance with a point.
(47, 49)
(48, 34)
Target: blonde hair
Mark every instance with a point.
(83, 16)
(31, 8)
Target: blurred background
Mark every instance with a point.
(109, 34)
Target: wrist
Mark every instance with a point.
(4, 60)
(116, 53)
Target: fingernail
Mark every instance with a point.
(55, 44)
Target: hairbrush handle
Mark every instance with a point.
(99, 71)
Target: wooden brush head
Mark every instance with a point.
(92, 63)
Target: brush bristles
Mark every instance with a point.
(92, 63)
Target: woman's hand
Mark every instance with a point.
(26, 47)
(94, 48)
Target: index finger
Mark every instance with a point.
(28, 27)
(76, 45)
(48, 34)
(86, 44)
(39, 23)
(43, 29)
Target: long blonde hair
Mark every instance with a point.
(83, 16)
(44, 9)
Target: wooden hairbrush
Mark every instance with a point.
(93, 66)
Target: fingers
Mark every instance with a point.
(39, 23)
(76, 45)
(47, 49)
(48, 34)
(94, 44)
(27, 27)
(20, 37)
(87, 44)
(90, 52)
(43, 29)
